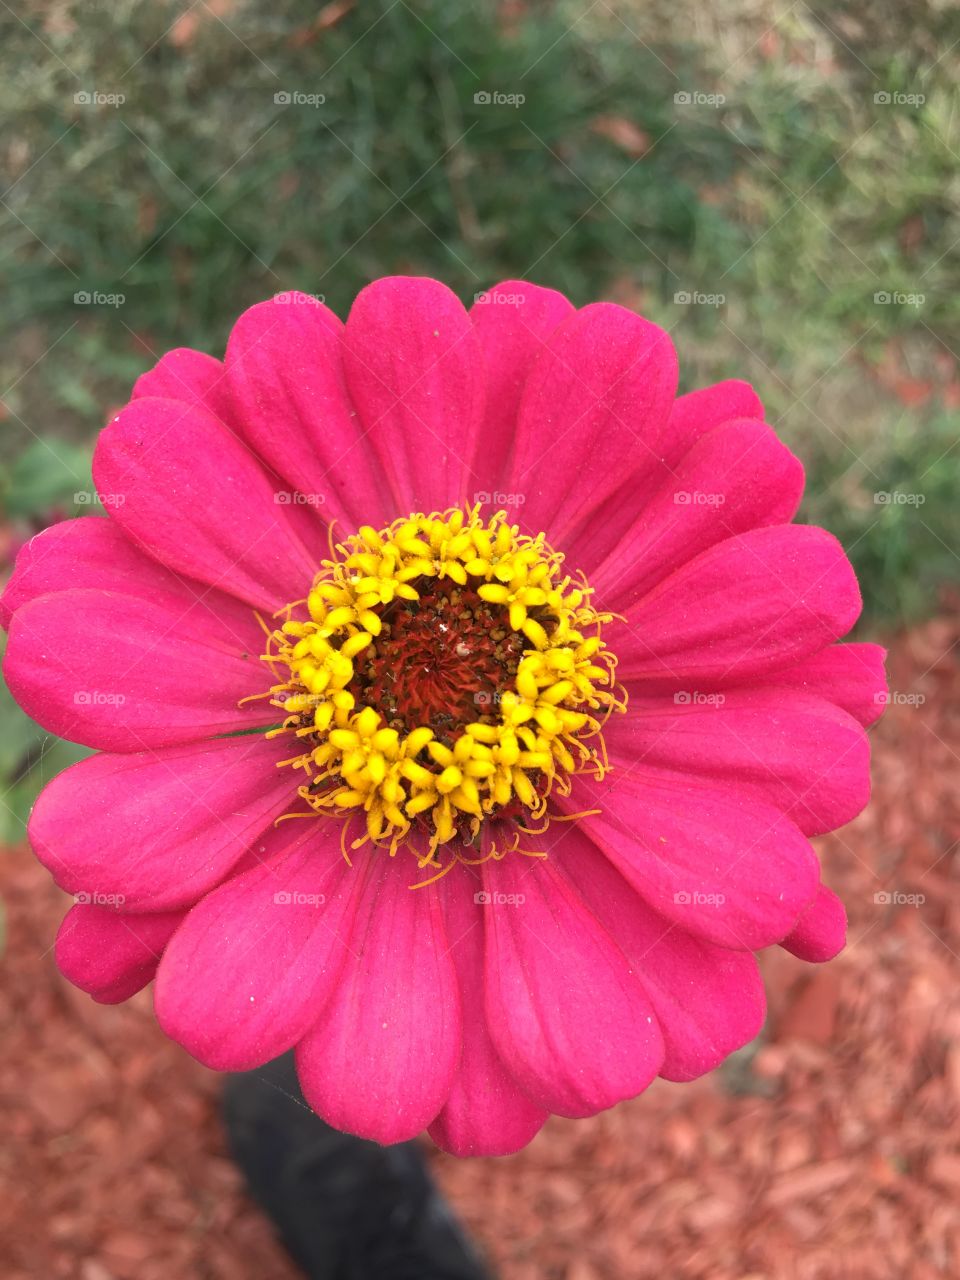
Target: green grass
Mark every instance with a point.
(798, 198)
(897, 514)
(199, 194)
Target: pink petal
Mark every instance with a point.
(381, 1058)
(851, 676)
(255, 961)
(199, 502)
(198, 379)
(109, 954)
(698, 412)
(709, 1000)
(122, 674)
(513, 321)
(290, 404)
(160, 828)
(737, 477)
(486, 1113)
(415, 374)
(775, 746)
(594, 408)
(566, 1011)
(92, 552)
(189, 376)
(753, 603)
(691, 417)
(722, 865)
(821, 932)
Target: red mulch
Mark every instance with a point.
(828, 1152)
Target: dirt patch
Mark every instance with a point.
(825, 1152)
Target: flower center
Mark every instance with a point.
(444, 673)
(444, 660)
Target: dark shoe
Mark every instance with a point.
(346, 1209)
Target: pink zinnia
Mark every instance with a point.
(527, 644)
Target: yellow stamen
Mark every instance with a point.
(361, 758)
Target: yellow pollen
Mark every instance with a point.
(442, 672)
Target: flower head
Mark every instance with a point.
(465, 701)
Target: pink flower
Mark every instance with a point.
(664, 714)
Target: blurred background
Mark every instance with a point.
(778, 184)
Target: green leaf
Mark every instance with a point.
(50, 474)
(20, 792)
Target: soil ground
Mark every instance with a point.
(827, 1151)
